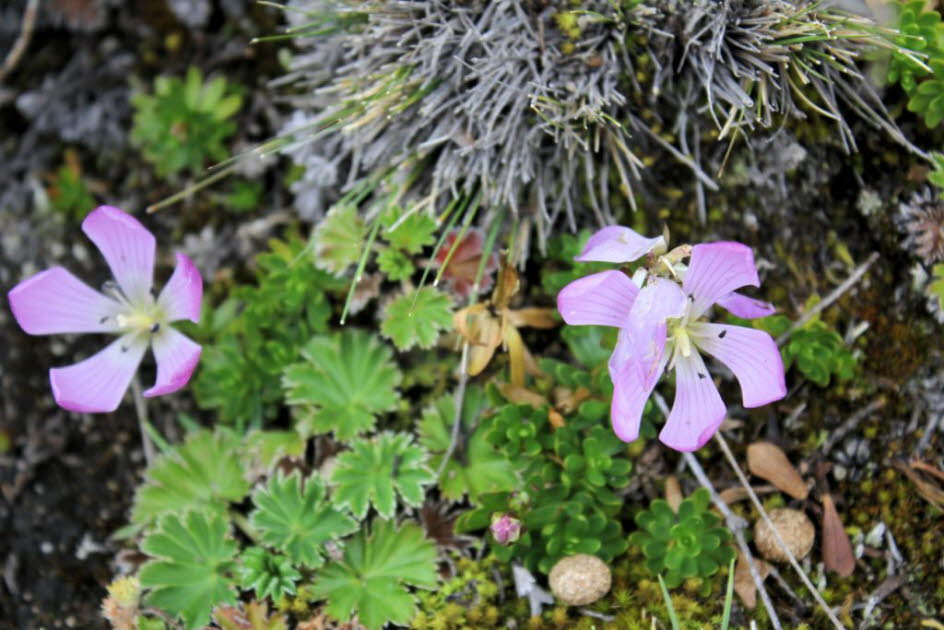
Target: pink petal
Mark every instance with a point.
(746, 307)
(183, 293)
(617, 244)
(127, 246)
(633, 382)
(98, 383)
(603, 298)
(658, 301)
(751, 354)
(55, 301)
(715, 270)
(177, 357)
(698, 410)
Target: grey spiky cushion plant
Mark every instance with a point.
(487, 97)
(752, 61)
(539, 108)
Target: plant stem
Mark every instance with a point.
(458, 402)
(140, 408)
(847, 284)
(734, 522)
(783, 546)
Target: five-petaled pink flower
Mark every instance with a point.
(55, 301)
(662, 326)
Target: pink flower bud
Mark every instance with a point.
(505, 528)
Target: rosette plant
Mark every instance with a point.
(54, 301)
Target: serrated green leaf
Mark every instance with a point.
(267, 574)
(370, 579)
(264, 449)
(376, 471)
(411, 234)
(297, 519)
(339, 239)
(345, 380)
(191, 572)
(416, 318)
(202, 473)
(396, 265)
(475, 467)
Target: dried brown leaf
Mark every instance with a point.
(743, 582)
(521, 395)
(533, 317)
(930, 491)
(837, 549)
(739, 493)
(770, 463)
(673, 492)
(555, 418)
(507, 287)
(516, 355)
(567, 400)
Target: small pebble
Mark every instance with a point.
(580, 580)
(796, 530)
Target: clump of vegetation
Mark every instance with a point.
(922, 77)
(389, 422)
(184, 123)
(68, 191)
(689, 542)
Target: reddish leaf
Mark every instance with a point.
(837, 549)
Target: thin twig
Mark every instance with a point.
(836, 293)
(22, 42)
(934, 421)
(458, 401)
(737, 525)
(783, 546)
(849, 425)
(140, 408)
(734, 522)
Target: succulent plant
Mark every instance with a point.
(685, 544)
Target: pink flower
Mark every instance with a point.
(55, 301)
(506, 529)
(662, 326)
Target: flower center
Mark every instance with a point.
(146, 320)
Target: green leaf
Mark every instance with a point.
(345, 380)
(395, 265)
(203, 473)
(475, 466)
(339, 239)
(375, 471)
(184, 122)
(194, 561)
(411, 234)
(150, 623)
(591, 345)
(416, 318)
(263, 330)
(370, 579)
(298, 520)
(267, 574)
(264, 449)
